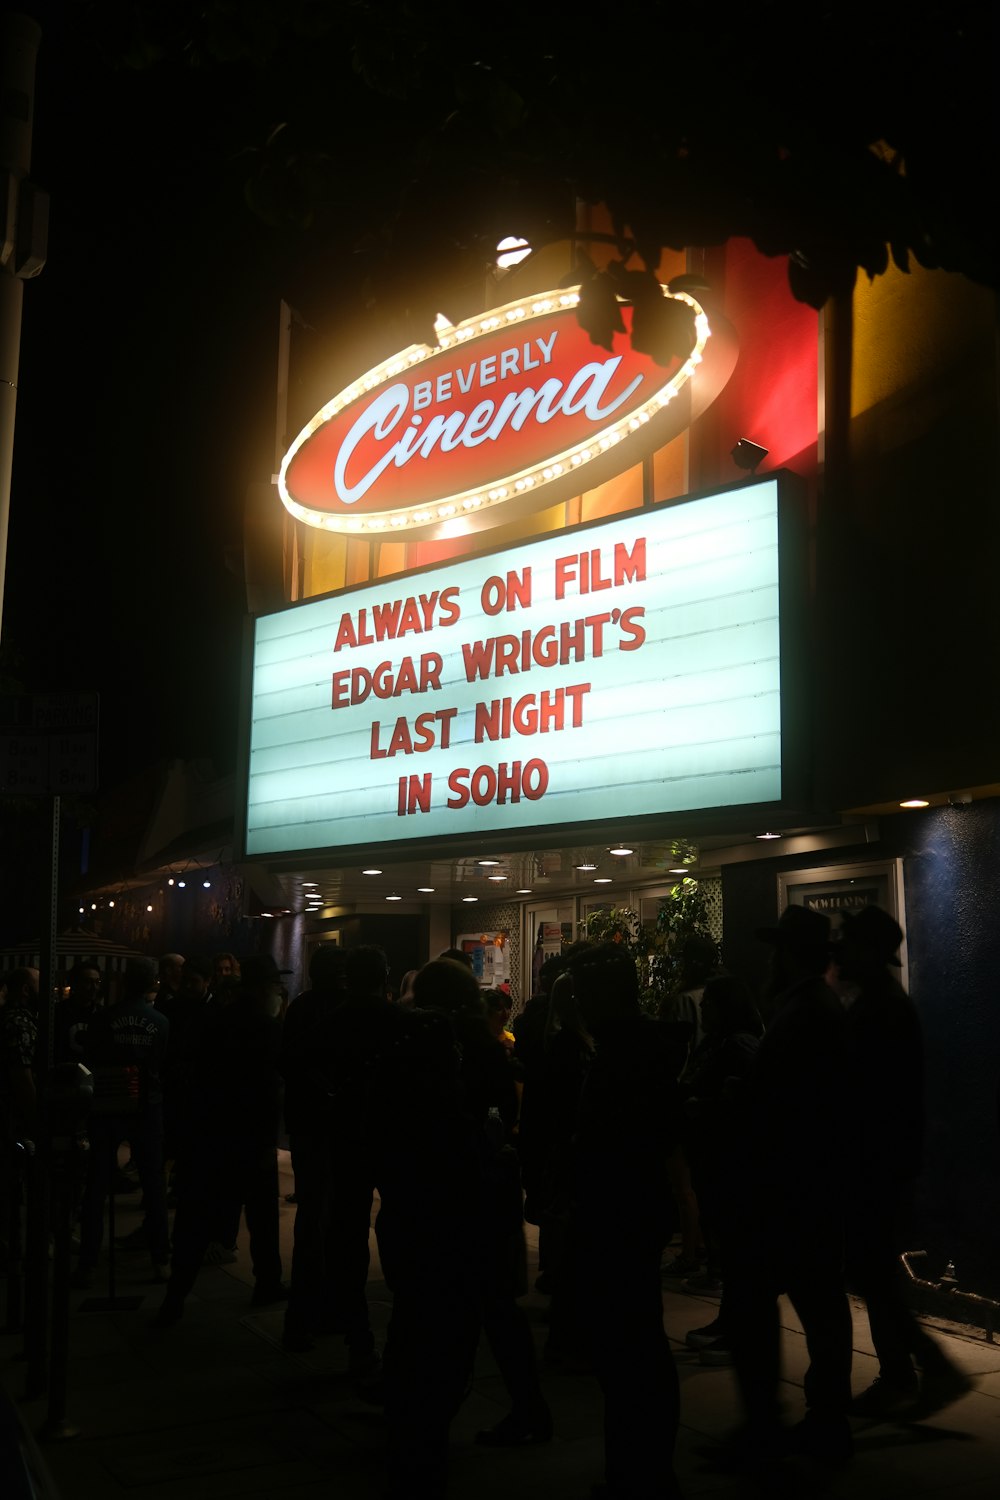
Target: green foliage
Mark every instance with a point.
(683, 913)
(622, 924)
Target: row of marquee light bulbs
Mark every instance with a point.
(314, 900)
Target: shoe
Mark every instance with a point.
(171, 1311)
(297, 1343)
(82, 1278)
(368, 1377)
(219, 1254)
(885, 1399)
(265, 1295)
(748, 1450)
(825, 1440)
(938, 1389)
(134, 1240)
(718, 1352)
(707, 1284)
(700, 1338)
(680, 1265)
(517, 1432)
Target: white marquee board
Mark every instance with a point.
(627, 668)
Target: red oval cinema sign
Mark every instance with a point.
(515, 410)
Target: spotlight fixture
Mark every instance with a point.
(620, 850)
(747, 455)
(915, 802)
(510, 251)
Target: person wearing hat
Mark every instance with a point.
(887, 1139)
(787, 1208)
(125, 1047)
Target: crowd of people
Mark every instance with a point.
(777, 1137)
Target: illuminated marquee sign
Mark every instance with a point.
(515, 410)
(623, 669)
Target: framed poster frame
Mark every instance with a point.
(833, 889)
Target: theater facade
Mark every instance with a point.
(545, 627)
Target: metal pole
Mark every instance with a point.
(19, 41)
(36, 1328)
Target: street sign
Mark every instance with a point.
(48, 744)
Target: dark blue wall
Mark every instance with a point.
(951, 878)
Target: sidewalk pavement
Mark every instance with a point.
(214, 1407)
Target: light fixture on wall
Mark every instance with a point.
(748, 455)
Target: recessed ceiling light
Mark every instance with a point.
(587, 867)
(427, 890)
(371, 872)
(394, 898)
(678, 870)
(524, 891)
(768, 835)
(602, 880)
(488, 861)
(307, 883)
(470, 898)
(496, 877)
(915, 802)
(621, 849)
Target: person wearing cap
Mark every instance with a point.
(787, 1210)
(125, 1047)
(236, 1092)
(887, 1140)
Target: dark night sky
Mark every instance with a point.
(145, 407)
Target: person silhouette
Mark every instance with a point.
(887, 1140)
(620, 1217)
(787, 1211)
